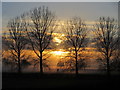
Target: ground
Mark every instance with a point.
(35, 80)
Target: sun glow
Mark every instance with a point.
(56, 39)
(60, 52)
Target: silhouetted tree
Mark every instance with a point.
(45, 62)
(9, 62)
(107, 38)
(76, 34)
(115, 63)
(41, 27)
(15, 40)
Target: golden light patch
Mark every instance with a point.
(59, 52)
(56, 39)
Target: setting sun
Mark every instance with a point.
(60, 52)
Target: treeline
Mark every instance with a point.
(34, 29)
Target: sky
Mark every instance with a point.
(88, 11)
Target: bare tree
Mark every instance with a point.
(41, 27)
(15, 40)
(107, 38)
(76, 35)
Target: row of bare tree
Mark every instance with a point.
(36, 29)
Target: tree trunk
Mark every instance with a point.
(108, 59)
(19, 65)
(76, 63)
(41, 65)
(108, 67)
